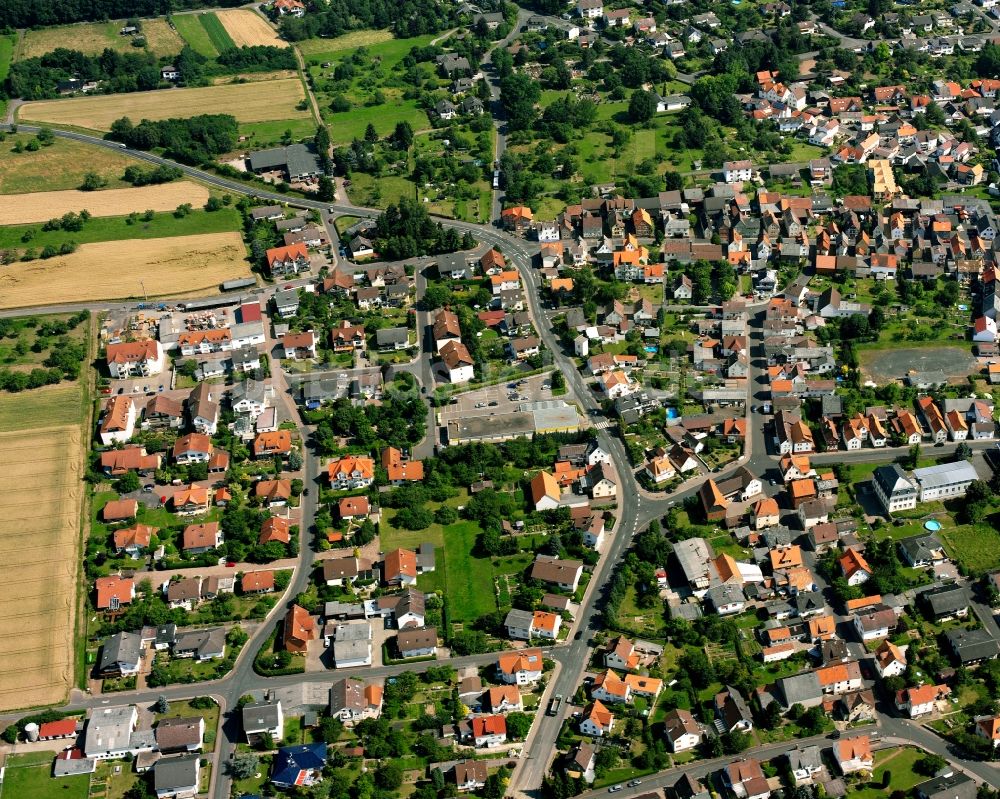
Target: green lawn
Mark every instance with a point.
(976, 546)
(366, 190)
(899, 762)
(115, 785)
(50, 406)
(271, 132)
(7, 42)
(379, 44)
(349, 125)
(255, 784)
(647, 622)
(191, 29)
(467, 581)
(216, 32)
(114, 228)
(29, 776)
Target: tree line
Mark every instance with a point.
(191, 141)
(407, 18)
(38, 78)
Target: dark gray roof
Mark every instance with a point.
(806, 757)
(808, 601)
(946, 600)
(919, 548)
(722, 595)
(955, 785)
(259, 716)
(121, 648)
(392, 335)
(175, 772)
(296, 159)
(892, 479)
(801, 688)
(203, 643)
(972, 645)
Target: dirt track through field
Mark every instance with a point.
(114, 269)
(262, 101)
(40, 554)
(248, 28)
(21, 209)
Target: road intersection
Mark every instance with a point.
(636, 509)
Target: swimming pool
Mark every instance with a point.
(651, 349)
(673, 413)
(932, 525)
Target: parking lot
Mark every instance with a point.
(154, 384)
(497, 399)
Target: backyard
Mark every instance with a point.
(471, 583)
(899, 762)
(30, 775)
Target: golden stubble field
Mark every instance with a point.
(113, 269)
(93, 38)
(249, 102)
(21, 209)
(41, 507)
(248, 28)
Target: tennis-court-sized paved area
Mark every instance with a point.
(895, 364)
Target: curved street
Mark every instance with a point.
(636, 509)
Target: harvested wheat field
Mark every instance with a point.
(113, 269)
(248, 28)
(248, 102)
(93, 38)
(39, 206)
(39, 549)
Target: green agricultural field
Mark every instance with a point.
(191, 29)
(25, 776)
(217, 33)
(115, 228)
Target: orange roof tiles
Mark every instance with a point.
(400, 563)
(853, 561)
(114, 587)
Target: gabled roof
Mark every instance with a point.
(852, 562)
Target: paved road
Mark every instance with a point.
(496, 108)
(635, 510)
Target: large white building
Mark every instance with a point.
(894, 489)
(135, 358)
(944, 481)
